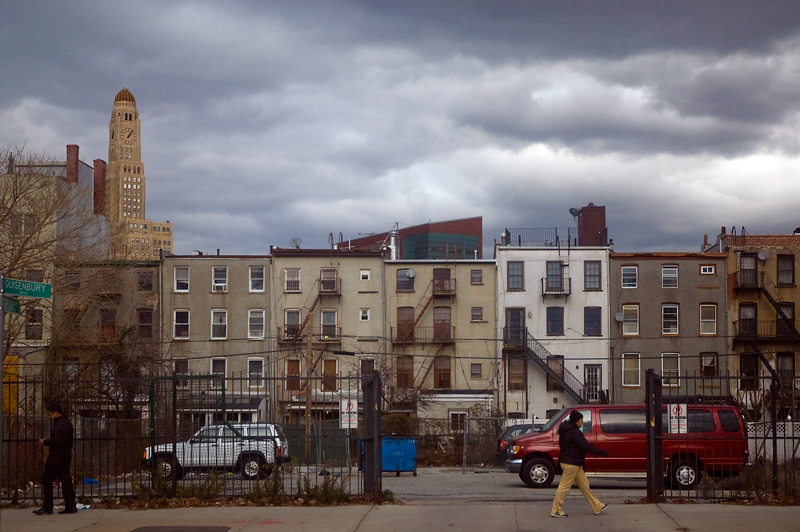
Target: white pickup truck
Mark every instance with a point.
(251, 449)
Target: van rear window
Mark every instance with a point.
(623, 421)
(729, 420)
(697, 420)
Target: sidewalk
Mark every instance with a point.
(415, 518)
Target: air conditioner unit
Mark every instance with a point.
(220, 288)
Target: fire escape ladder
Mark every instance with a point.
(423, 306)
(430, 366)
(317, 358)
(539, 354)
(306, 320)
(786, 320)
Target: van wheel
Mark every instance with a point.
(684, 474)
(167, 468)
(252, 467)
(537, 473)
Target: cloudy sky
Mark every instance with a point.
(264, 121)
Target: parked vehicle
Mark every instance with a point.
(508, 435)
(250, 449)
(709, 437)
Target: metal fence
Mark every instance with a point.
(114, 425)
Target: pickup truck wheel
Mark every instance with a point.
(537, 473)
(684, 474)
(252, 467)
(166, 467)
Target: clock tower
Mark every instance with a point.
(134, 235)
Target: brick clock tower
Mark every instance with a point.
(134, 236)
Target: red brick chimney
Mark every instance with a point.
(100, 186)
(592, 229)
(72, 164)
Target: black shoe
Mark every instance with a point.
(42, 511)
(68, 511)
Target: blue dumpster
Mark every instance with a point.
(399, 454)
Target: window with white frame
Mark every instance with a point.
(181, 370)
(330, 324)
(670, 369)
(592, 274)
(363, 314)
(708, 269)
(710, 363)
(255, 324)
(255, 372)
(630, 276)
(291, 322)
(292, 280)
(219, 324)
(256, 278)
(476, 314)
(219, 367)
(515, 275)
(180, 324)
(476, 370)
(220, 278)
(708, 319)
(631, 371)
(457, 419)
(630, 320)
(181, 278)
(364, 275)
(669, 318)
(669, 276)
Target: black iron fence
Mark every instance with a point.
(189, 435)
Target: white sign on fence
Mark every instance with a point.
(348, 414)
(678, 419)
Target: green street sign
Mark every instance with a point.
(11, 305)
(15, 287)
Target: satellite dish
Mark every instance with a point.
(574, 212)
(411, 273)
(619, 316)
(763, 255)
(296, 241)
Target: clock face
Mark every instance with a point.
(128, 136)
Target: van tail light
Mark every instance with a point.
(280, 451)
(502, 445)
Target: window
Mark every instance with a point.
(255, 324)
(256, 278)
(405, 323)
(592, 325)
(442, 326)
(786, 366)
(180, 323)
(516, 373)
(220, 274)
(707, 269)
(218, 367)
(555, 278)
(145, 280)
(630, 276)
(710, 362)
(329, 280)
(457, 418)
(181, 278)
(23, 224)
(748, 367)
(364, 275)
(37, 276)
(669, 319)
(476, 370)
(363, 314)
(476, 314)
(405, 371)
(255, 372)
(556, 363)
(145, 322)
(405, 280)
(219, 324)
(708, 319)
(784, 319)
(73, 280)
(329, 374)
(441, 372)
(292, 280)
(516, 275)
(670, 369)
(555, 321)
(33, 325)
(748, 320)
(785, 270)
(591, 275)
(669, 276)
(623, 421)
(293, 374)
(329, 320)
(476, 277)
(182, 369)
(291, 322)
(748, 270)
(108, 324)
(630, 320)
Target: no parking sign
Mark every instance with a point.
(678, 419)
(348, 414)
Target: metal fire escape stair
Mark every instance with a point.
(539, 354)
(775, 302)
(430, 366)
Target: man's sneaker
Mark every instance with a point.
(43, 511)
(603, 509)
(559, 515)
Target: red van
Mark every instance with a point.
(697, 438)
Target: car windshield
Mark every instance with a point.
(553, 420)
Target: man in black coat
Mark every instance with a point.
(58, 461)
(574, 447)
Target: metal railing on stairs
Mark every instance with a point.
(555, 368)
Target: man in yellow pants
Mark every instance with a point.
(573, 453)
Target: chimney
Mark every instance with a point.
(100, 187)
(72, 164)
(592, 229)
(11, 168)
